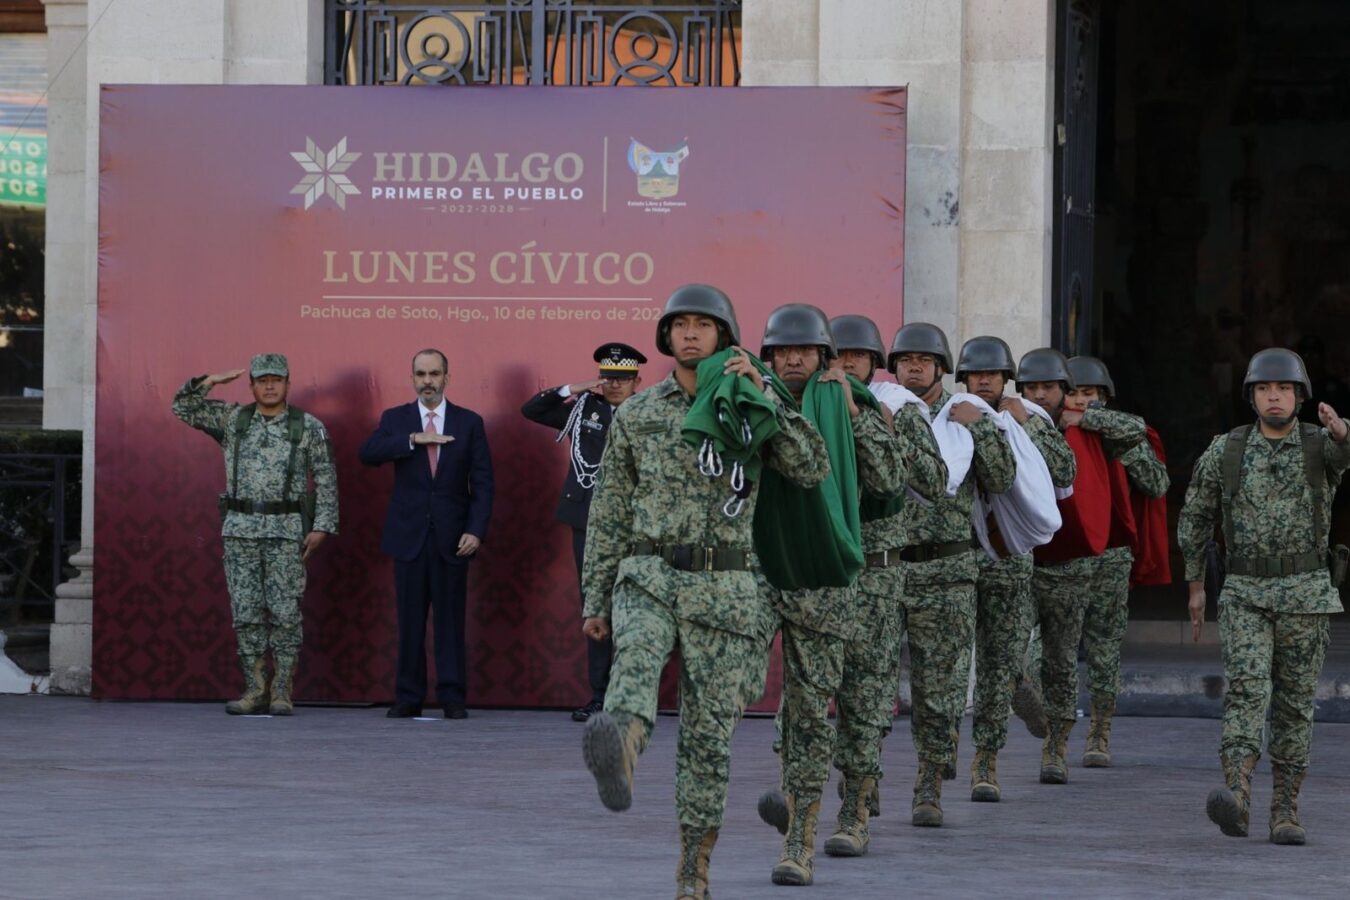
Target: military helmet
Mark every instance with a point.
(1044, 364)
(1277, 364)
(696, 300)
(859, 333)
(797, 325)
(1089, 371)
(920, 337)
(985, 354)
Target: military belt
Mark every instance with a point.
(262, 507)
(1276, 566)
(693, 558)
(915, 553)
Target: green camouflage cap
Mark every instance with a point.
(269, 364)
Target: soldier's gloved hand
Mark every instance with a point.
(312, 542)
(595, 628)
(1196, 607)
(1332, 422)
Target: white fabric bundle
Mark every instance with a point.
(954, 442)
(1027, 514)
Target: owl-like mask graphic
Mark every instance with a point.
(658, 172)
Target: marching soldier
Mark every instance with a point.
(1271, 486)
(941, 566)
(1003, 590)
(866, 693)
(582, 413)
(272, 524)
(668, 563)
(818, 624)
(1124, 439)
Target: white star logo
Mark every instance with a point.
(324, 173)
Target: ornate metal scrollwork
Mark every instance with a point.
(560, 42)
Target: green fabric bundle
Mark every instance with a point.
(804, 537)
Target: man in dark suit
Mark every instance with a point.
(582, 413)
(437, 519)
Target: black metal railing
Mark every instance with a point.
(558, 42)
(39, 525)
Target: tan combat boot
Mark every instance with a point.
(1027, 706)
(254, 700)
(927, 809)
(873, 801)
(1229, 807)
(611, 749)
(799, 846)
(1098, 752)
(1054, 770)
(773, 810)
(281, 685)
(984, 777)
(851, 837)
(1284, 826)
(691, 877)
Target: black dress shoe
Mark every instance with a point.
(403, 711)
(585, 712)
(456, 711)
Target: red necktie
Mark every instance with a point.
(433, 450)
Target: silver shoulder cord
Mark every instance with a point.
(586, 472)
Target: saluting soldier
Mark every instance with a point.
(1271, 487)
(581, 413)
(668, 562)
(272, 523)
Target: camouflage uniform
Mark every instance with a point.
(650, 489)
(820, 624)
(1108, 609)
(1004, 612)
(1274, 630)
(263, 566)
(938, 606)
(866, 695)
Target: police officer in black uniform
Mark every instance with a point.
(582, 412)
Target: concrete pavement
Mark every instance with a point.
(123, 800)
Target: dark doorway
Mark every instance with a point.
(1222, 218)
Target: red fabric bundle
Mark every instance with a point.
(1152, 553)
(1087, 512)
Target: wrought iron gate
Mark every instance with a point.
(1075, 315)
(558, 42)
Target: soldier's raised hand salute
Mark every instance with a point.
(223, 377)
(585, 387)
(1332, 422)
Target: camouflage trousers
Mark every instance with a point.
(720, 672)
(813, 669)
(266, 579)
(1060, 591)
(1272, 661)
(1002, 625)
(1104, 622)
(938, 620)
(865, 701)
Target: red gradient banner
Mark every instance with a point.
(515, 229)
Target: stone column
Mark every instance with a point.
(1007, 170)
(885, 42)
(145, 42)
(66, 403)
